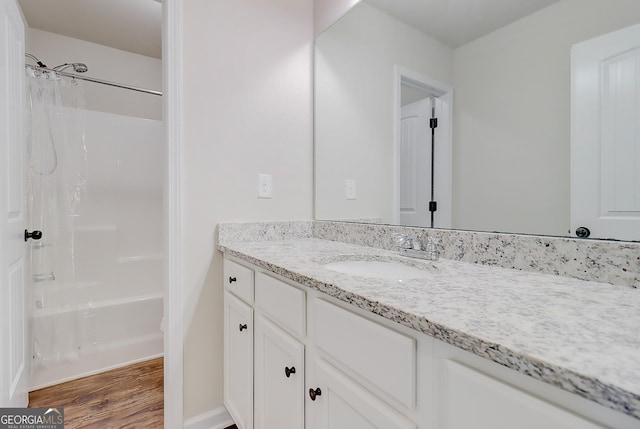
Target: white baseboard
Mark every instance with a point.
(214, 419)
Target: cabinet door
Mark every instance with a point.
(342, 404)
(279, 377)
(471, 399)
(238, 361)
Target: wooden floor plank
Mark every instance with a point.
(129, 397)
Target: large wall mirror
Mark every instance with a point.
(506, 79)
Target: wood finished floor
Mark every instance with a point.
(129, 397)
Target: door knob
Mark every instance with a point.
(35, 235)
(313, 393)
(243, 327)
(583, 232)
(232, 279)
(288, 371)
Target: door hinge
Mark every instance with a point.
(433, 206)
(433, 123)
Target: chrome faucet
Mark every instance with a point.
(414, 246)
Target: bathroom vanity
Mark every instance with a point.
(462, 346)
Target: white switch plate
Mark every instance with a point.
(350, 189)
(264, 186)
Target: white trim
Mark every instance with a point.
(445, 93)
(214, 419)
(173, 120)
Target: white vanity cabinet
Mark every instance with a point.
(238, 361)
(264, 383)
(238, 343)
(472, 392)
(279, 365)
(278, 378)
(361, 374)
(309, 361)
(472, 399)
(341, 403)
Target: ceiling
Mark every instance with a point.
(458, 22)
(130, 25)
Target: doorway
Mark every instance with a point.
(422, 150)
(170, 146)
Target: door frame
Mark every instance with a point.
(172, 107)
(444, 92)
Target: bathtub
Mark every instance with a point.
(114, 333)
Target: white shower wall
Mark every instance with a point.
(117, 301)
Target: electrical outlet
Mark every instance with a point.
(264, 186)
(350, 189)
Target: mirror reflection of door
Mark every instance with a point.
(424, 166)
(605, 146)
(415, 163)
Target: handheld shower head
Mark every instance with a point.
(77, 67)
(80, 67)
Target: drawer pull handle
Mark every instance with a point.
(289, 371)
(232, 279)
(313, 393)
(243, 327)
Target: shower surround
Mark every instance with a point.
(114, 308)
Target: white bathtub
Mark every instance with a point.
(113, 334)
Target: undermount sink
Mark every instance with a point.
(379, 270)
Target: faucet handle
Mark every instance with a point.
(402, 241)
(433, 248)
(433, 240)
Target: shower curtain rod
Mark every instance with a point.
(94, 80)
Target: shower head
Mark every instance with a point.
(77, 67)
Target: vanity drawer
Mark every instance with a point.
(379, 355)
(283, 303)
(239, 280)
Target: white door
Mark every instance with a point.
(279, 378)
(238, 361)
(415, 164)
(605, 137)
(339, 403)
(13, 328)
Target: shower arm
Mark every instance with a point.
(34, 58)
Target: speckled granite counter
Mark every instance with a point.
(581, 336)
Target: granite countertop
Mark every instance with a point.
(581, 336)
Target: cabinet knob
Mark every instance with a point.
(243, 327)
(313, 393)
(35, 235)
(232, 279)
(289, 371)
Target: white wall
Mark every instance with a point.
(108, 64)
(354, 102)
(511, 103)
(248, 110)
(326, 12)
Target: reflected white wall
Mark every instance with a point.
(354, 108)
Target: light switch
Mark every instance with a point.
(264, 186)
(350, 189)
